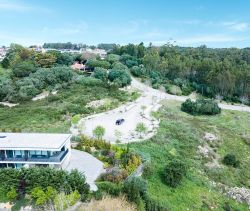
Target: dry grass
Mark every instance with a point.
(108, 204)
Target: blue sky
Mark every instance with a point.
(216, 23)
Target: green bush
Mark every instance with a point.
(114, 175)
(120, 77)
(98, 63)
(148, 169)
(24, 69)
(89, 81)
(138, 71)
(174, 90)
(113, 189)
(154, 205)
(135, 188)
(41, 196)
(73, 197)
(230, 160)
(201, 106)
(75, 119)
(12, 194)
(100, 73)
(87, 149)
(174, 172)
(99, 132)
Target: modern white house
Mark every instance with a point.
(34, 149)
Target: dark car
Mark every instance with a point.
(119, 121)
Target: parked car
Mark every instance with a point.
(119, 121)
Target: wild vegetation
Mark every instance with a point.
(53, 114)
(180, 137)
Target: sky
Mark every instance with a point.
(215, 23)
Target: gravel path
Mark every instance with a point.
(133, 114)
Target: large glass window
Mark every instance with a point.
(19, 153)
(9, 153)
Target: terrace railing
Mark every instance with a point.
(38, 159)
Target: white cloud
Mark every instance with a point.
(14, 7)
(18, 7)
(237, 26)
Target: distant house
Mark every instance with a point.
(78, 66)
(38, 49)
(99, 52)
(34, 149)
(82, 67)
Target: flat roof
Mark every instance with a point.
(33, 141)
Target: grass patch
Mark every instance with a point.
(179, 136)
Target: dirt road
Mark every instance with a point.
(135, 112)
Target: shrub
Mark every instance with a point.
(201, 106)
(119, 66)
(120, 77)
(99, 132)
(141, 128)
(73, 197)
(230, 160)
(174, 172)
(174, 90)
(133, 162)
(100, 73)
(87, 149)
(148, 169)
(110, 188)
(135, 188)
(89, 81)
(98, 63)
(154, 204)
(112, 58)
(75, 119)
(138, 71)
(24, 69)
(12, 194)
(115, 175)
(130, 160)
(41, 197)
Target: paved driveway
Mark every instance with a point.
(87, 164)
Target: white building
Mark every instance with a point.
(100, 52)
(34, 149)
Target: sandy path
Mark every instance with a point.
(133, 114)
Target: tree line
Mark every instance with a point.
(222, 73)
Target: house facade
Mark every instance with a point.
(34, 149)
